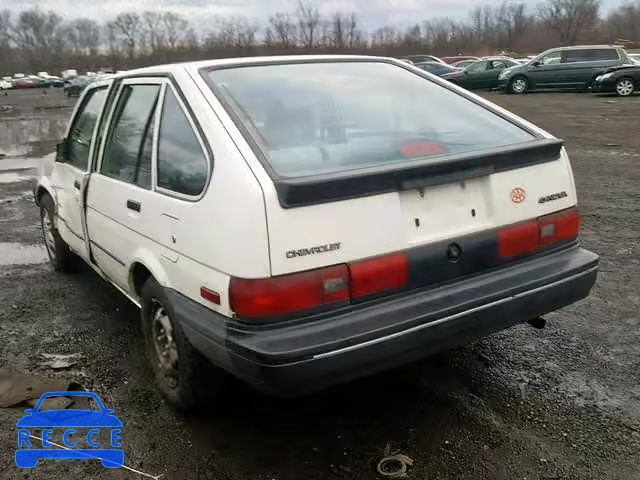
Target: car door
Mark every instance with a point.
(545, 71)
(70, 173)
(496, 67)
(120, 191)
(476, 75)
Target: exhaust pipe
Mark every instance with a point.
(538, 323)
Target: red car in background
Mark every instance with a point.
(458, 58)
(23, 83)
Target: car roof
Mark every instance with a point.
(229, 62)
(583, 47)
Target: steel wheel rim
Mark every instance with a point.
(164, 343)
(47, 232)
(625, 87)
(519, 85)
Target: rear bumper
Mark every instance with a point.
(338, 346)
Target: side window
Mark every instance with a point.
(182, 165)
(498, 65)
(605, 54)
(552, 58)
(129, 145)
(477, 67)
(79, 141)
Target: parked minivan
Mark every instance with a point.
(304, 221)
(563, 68)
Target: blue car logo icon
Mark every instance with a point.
(65, 422)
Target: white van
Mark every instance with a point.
(303, 221)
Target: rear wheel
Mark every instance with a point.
(178, 368)
(519, 85)
(625, 87)
(60, 257)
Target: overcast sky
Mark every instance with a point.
(373, 13)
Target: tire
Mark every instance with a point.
(180, 374)
(61, 258)
(519, 85)
(625, 87)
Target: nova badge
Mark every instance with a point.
(303, 252)
(551, 198)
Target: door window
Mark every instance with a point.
(498, 65)
(182, 165)
(79, 140)
(478, 67)
(129, 146)
(552, 58)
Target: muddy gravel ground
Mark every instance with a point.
(562, 403)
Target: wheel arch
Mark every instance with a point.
(144, 265)
(42, 187)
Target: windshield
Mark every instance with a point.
(328, 117)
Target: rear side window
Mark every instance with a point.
(315, 118)
(590, 55)
(79, 141)
(129, 146)
(182, 165)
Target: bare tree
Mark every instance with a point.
(5, 28)
(83, 36)
(236, 32)
(309, 23)
(127, 28)
(570, 18)
(343, 32)
(153, 33)
(281, 31)
(176, 29)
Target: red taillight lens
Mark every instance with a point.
(378, 274)
(529, 236)
(559, 226)
(518, 239)
(289, 293)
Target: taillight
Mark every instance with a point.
(289, 293)
(529, 236)
(378, 274)
(559, 226)
(518, 239)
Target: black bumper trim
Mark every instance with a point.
(339, 346)
(454, 316)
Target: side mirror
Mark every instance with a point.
(537, 63)
(109, 411)
(61, 151)
(29, 411)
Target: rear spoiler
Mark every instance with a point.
(331, 187)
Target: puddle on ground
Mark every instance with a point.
(20, 254)
(13, 177)
(17, 133)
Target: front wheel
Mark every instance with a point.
(60, 256)
(519, 85)
(625, 87)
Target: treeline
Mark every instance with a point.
(34, 40)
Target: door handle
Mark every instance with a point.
(76, 184)
(133, 205)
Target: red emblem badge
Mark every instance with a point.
(518, 195)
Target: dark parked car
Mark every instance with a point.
(423, 58)
(622, 80)
(463, 63)
(563, 68)
(73, 87)
(458, 58)
(483, 74)
(437, 68)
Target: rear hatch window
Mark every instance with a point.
(329, 117)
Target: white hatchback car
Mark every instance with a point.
(303, 221)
